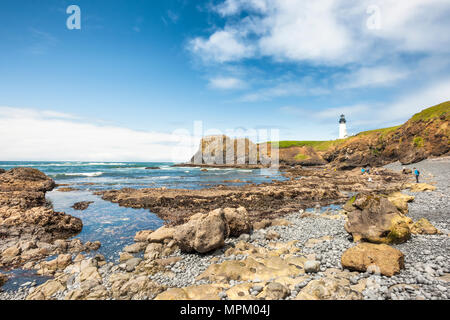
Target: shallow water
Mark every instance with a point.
(107, 222)
(112, 225)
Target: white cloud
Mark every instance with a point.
(27, 134)
(326, 32)
(221, 46)
(368, 116)
(373, 77)
(283, 89)
(226, 83)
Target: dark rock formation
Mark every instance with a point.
(83, 205)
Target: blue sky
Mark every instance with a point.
(138, 70)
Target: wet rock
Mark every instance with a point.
(83, 205)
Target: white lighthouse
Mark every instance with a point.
(342, 128)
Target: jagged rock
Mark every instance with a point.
(376, 219)
(387, 260)
(131, 264)
(142, 236)
(203, 232)
(59, 263)
(46, 290)
(135, 247)
(26, 216)
(83, 205)
(237, 220)
(90, 273)
(153, 251)
(124, 256)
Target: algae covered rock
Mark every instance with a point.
(375, 219)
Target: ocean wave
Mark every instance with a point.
(79, 174)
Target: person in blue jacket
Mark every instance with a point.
(416, 173)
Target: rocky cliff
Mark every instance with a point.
(425, 135)
(223, 150)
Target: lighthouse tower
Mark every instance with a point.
(342, 128)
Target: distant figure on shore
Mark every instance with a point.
(363, 170)
(368, 170)
(416, 173)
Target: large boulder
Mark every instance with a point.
(238, 221)
(378, 257)
(203, 232)
(375, 219)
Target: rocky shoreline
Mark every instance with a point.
(244, 252)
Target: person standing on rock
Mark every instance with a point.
(416, 173)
